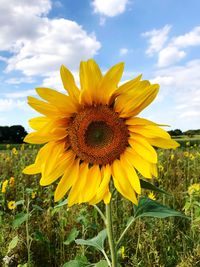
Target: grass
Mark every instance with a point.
(42, 234)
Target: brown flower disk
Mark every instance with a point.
(97, 135)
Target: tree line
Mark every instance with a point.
(189, 133)
(12, 134)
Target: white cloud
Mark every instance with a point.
(8, 104)
(39, 45)
(109, 8)
(123, 51)
(173, 52)
(17, 80)
(19, 94)
(191, 38)
(170, 55)
(181, 84)
(157, 39)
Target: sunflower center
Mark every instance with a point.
(97, 135)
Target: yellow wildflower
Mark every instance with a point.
(4, 186)
(186, 154)
(122, 252)
(172, 156)
(33, 195)
(14, 151)
(12, 205)
(152, 196)
(192, 157)
(22, 147)
(12, 181)
(7, 159)
(193, 188)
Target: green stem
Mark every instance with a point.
(111, 241)
(100, 212)
(124, 232)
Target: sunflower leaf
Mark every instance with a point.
(80, 261)
(150, 208)
(146, 185)
(97, 241)
(19, 219)
(71, 237)
(101, 263)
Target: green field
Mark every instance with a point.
(37, 233)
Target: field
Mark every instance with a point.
(36, 232)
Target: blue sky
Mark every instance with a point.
(160, 39)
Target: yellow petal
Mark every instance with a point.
(43, 136)
(62, 102)
(121, 182)
(38, 122)
(64, 162)
(128, 86)
(69, 83)
(149, 131)
(43, 107)
(106, 175)
(92, 183)
(70, 176)
(131, 174)
(53, 155)
(163, 143)
(129, 105)
(90, 78)
(32, 169)
(139, 163)
(139, 121)
(76, 194)
(107, 197)
(143, 148)
(109, 83)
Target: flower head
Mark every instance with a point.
(93, 133)
(33, 195)
(194, 188)
(4, 186)
(12, 205)
(152, 196)
(12, 181)
(14, 151)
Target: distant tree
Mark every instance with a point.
(17, 133)
(12, 134)
(175, 132)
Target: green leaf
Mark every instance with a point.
(150, 208)
(36, 207)
(64, 202)
(146, 185)
(13, 243)
(101, 263)
(19, 219)
(72, 236)
(97, 241)
(38, 236)
(80, 261)
(19, 202)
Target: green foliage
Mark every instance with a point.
(97, 241)
(149, 242)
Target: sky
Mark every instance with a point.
(159, 39)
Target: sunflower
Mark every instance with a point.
(12, 205)
(93, 135)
